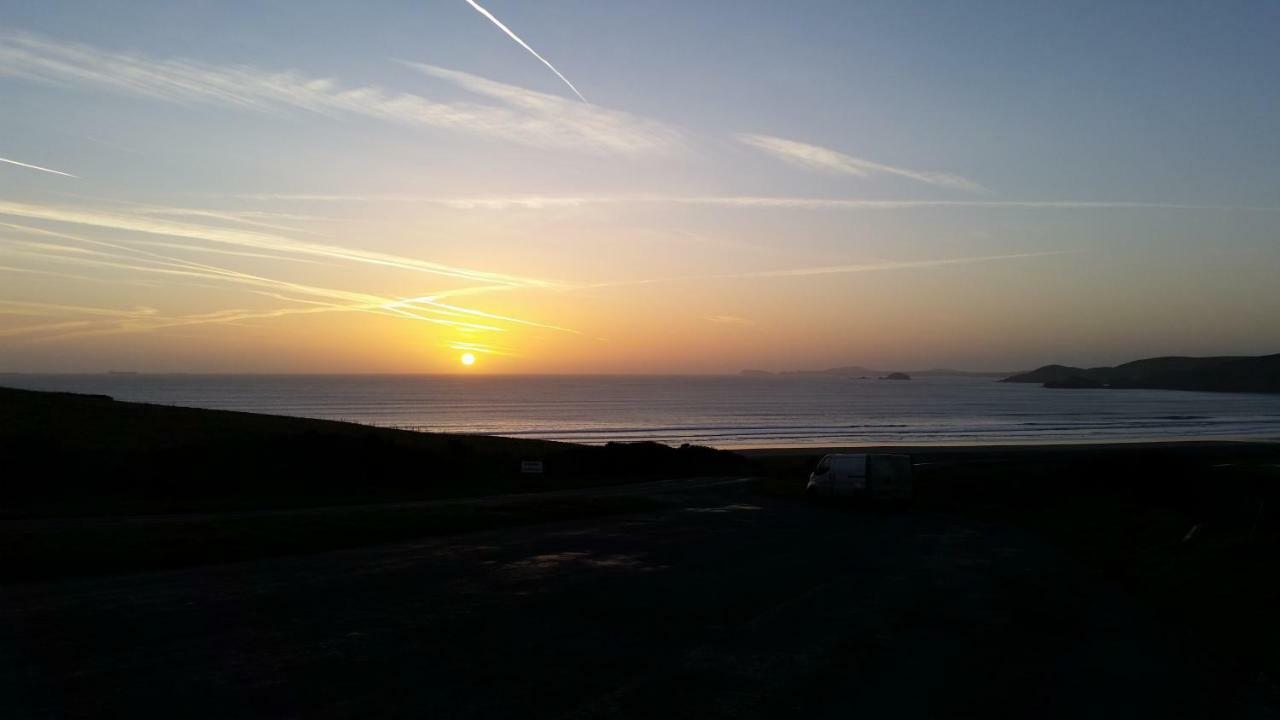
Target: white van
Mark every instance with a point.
(873, 475)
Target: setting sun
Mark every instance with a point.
(467, 359)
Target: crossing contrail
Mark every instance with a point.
(37, 167)
(524, 45)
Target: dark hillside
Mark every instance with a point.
(1216, 374)
(91, 453)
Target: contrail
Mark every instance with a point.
(524, 45)
(45, 169)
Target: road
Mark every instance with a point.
(726, 605)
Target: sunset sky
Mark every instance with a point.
(383, 187)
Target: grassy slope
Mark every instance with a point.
(78, 453)
(77, 467)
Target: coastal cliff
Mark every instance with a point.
(1213, 374)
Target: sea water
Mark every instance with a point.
(723, 411)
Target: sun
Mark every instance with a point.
(467, 359)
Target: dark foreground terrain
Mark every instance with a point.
(724, 603)
(167, 562)
(73, 454)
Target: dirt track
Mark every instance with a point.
(730, 605)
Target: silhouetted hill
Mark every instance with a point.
(1076, 382)
(1046, 374)
(1215, 374)
(63, 449)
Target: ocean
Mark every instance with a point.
(722, 411)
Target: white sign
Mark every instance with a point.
(531, 467)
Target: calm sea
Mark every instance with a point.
(724, 411)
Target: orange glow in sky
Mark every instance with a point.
(461, 203)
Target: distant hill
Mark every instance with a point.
(959, 373)
(859, 371)
(1213, 374)
(846, 370)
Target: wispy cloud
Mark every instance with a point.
(252, 219)
(519, 116)
(433, 302)
(487, 202)
(37, 167)
(43, 248)
(306, 299)
(810, 203)
(546, 202)
(68, 276)
(565, 122)
(878, 266)
(44, 328)
(825, 159)
(40, 251)
(524, 45)
(253, 239)
(729, 320)
(485, 348)
(891, 265)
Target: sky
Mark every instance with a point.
(577, 186)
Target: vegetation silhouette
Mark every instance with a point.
(89, 452)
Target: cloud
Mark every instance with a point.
(820, 158)
(131, 256)
(492, 202)
(545, 202)
(480, 348)
(729, 320)
(43, 328)
(519, 115)
(524, 45)
(880, 266)
(253, 219)
(810, 203)
(123, 258)
(253, 239)
(890, 265)
(564, 122)
(37, 167)
(432, 302)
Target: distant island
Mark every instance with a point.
(896, 376)
(1211, 374)
(857, 371)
